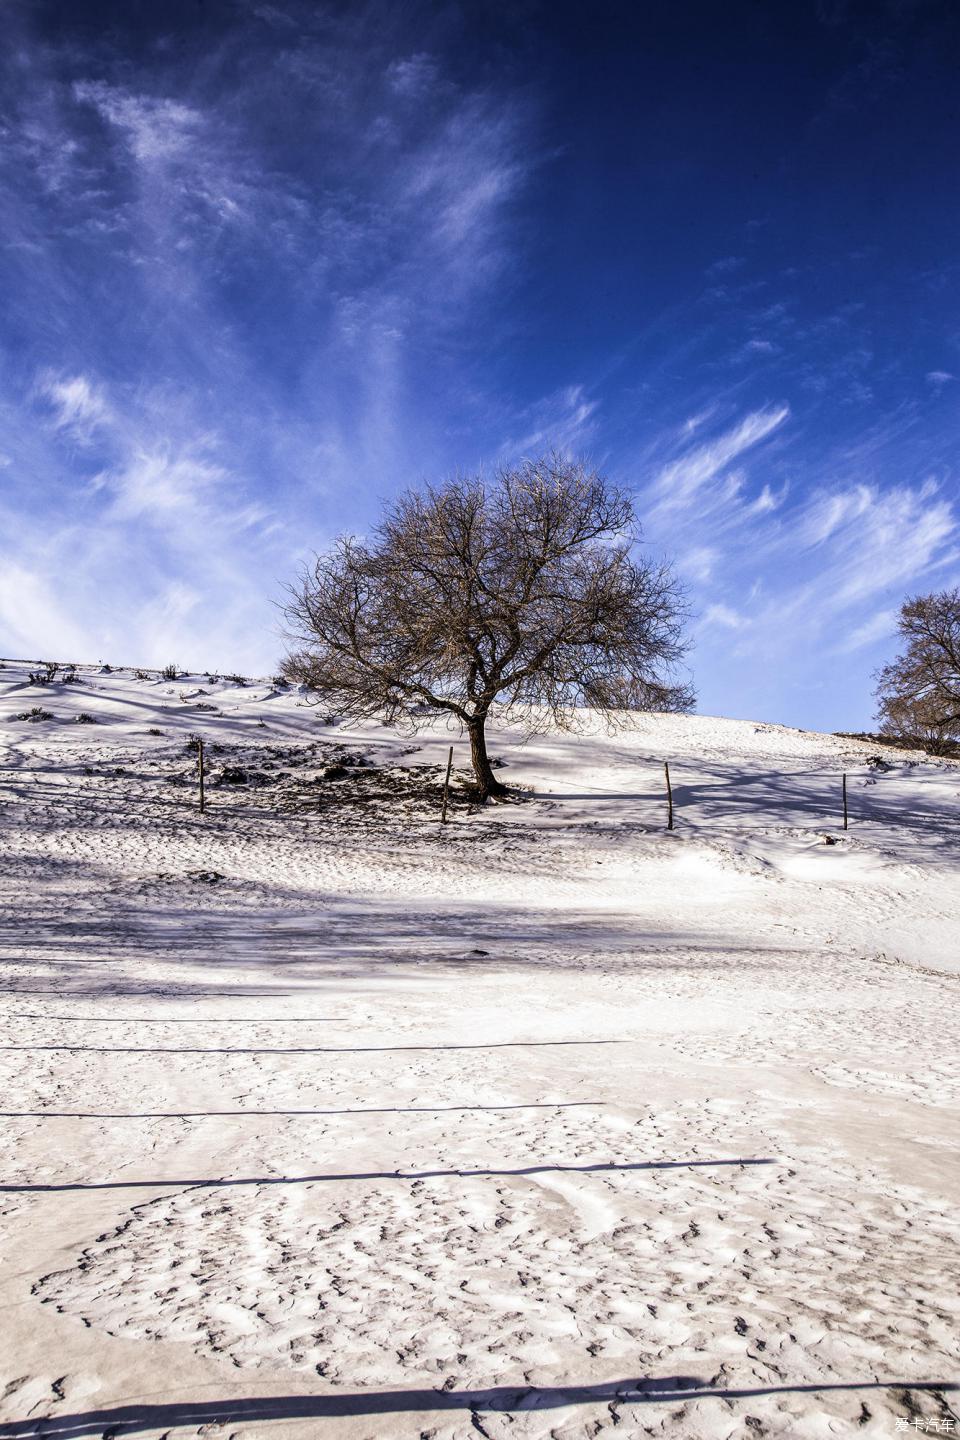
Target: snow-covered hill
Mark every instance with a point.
(537, 1123)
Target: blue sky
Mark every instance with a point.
(265, 263)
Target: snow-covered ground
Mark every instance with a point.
(321, 1118)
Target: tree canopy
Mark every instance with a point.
(524, 591)
(918, 693)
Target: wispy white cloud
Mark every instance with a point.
(162, 540)
(890, 538)
(196, 174)
(724, 616)
(767, 500)
(796, 573)
(825, 513)
(699, 562)
(78, 405)
(680, 484)
(725, 265)
(36, 620)
(696, 422)
(165, 488)
(413, 76)
(563, 421)
(246, 284)
(877, 627)
(156, 128)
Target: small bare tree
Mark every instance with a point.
(918, 694)
(522, 592)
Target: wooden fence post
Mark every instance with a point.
(666, 771)
(446, 787)
(844, 800)
(200, 771)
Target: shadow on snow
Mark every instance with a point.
(502, 1399)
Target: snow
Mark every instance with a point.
(323, 1118)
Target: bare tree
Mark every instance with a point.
(522, 592)
(918, 694)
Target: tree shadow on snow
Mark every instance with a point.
(501, 1399)
(602, 1167)
(716, 797)
(257, 1114)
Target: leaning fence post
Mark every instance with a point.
(666, 771)
(446, 787)
(200, 771)
(844, 800)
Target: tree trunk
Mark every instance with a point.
(487, 782)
